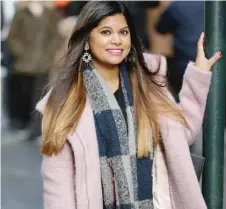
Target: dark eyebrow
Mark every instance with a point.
(126, 27)
(106, 27)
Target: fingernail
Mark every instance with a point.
(220, 53)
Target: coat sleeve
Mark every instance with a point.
(58, 180)
(193, 98)
(193, 95)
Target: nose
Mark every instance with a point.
(116, 39)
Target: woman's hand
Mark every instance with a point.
(201, 61)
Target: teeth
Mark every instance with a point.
(115, 50)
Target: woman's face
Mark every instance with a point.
(110, 41)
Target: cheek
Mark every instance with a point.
(97, 43)
(127, 45)
(127, 42)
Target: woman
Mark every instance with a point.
(108, 116)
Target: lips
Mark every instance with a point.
(116, 52)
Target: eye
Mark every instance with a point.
(105, 32)
(124, 32)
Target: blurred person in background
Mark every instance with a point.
(33, 41)
(185, 20)
(159, 43)
(4, 118)
(109, 115)
(2, 16)
(7, 12)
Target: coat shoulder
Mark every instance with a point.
(156, 62)
(40, 106)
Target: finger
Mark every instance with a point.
(200, 44)
(215, 58)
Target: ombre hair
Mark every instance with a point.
(67, 99)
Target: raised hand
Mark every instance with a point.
(201, 61)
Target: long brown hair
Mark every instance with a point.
(68, 95)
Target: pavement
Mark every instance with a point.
(21, 182)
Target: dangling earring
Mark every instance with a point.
(86, 56)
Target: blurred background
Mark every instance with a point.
(34, 35)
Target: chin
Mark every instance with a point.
(115, 61)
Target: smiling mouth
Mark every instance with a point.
(116, 52)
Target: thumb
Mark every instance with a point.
(215, 58)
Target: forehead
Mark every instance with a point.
(115, 21)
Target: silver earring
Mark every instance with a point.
(86, 56)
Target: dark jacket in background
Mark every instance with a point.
(186, 21)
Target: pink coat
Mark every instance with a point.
(72, 179)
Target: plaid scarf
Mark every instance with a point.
(117, 146)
